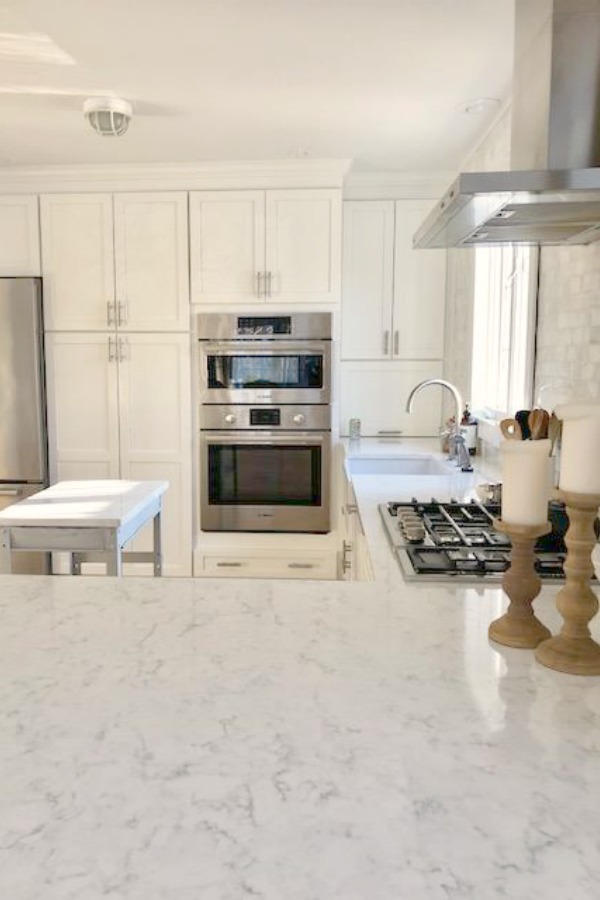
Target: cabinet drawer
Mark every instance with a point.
(322, 567)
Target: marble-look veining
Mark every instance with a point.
(180, 739)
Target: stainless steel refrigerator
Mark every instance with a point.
(23, 432)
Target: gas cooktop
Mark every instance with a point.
(435, 541)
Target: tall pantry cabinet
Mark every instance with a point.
(392, 318)
(115, 273)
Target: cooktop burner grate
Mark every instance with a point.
(435, 540)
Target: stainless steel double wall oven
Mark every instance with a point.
(265, 421)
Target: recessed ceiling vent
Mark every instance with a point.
(552, 193)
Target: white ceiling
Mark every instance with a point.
(377, 81)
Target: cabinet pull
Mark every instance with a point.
(229, 565)
(396, 343)
(268, 289)
(123, 349)
(110, 313)
(390, 431)
(10, 492)
(112, 343)
(297, 565)
(258, 283)
(351, 508)
(122, 313)
(386, 343)
(346, 551)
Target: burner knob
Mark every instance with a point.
(299, 419)
(229, 419)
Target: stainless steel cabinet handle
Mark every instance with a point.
(301, 566)
(396, 342)
(386, 342)
(110, 313)
(112, 343)
(229, 565)
(269, 288)
(123, 349)
(390, 431)
(351, 508)
(122, 313)
(258, 283)
(346, 551)
(10, 492)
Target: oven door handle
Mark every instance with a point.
(302, 438)
(262, 348)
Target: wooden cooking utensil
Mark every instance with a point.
(511, 429)
(522, 417)
(538, 424)
(553, 431)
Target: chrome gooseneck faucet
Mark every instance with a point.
(459, 450)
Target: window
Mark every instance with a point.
(504, 328)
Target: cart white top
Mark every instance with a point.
(84, 504)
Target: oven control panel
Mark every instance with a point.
(244, 417)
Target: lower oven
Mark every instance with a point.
(265, 468)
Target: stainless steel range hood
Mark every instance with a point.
(552, 193)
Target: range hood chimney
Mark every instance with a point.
(552, 193)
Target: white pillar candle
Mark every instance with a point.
(580, 447)
(525, 481)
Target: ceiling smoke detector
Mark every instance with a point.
(109, 116)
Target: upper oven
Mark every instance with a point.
(265, 359)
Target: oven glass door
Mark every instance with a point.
(249, 373)
(265, 481)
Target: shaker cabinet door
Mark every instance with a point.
(83, 415)
(151, 261)
(227, 246)
(303, 245)
(155, 435)
(419, 288)
(19, 236)
(77, 261)
(367, 279)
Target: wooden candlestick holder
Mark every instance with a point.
(574, 650)
(519, 627)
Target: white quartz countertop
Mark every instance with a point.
(93, 503)
(181, 739)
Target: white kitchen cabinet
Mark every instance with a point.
(119, 407)
(151, 262)
(77, 261)
(376, 393)
(355, 558)
(19, 236)
(115, 262)
(393, 296)
(280, 246)
(320, 566)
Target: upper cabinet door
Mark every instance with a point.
(151, 261)
(227, 246)
(304, 230)
(367, 279)
(419, 288)
(19, 236)
(78, 262)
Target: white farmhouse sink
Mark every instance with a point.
(417, 464)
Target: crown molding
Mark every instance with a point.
(401, 185)
(222, 175)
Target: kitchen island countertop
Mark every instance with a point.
(173, 739)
